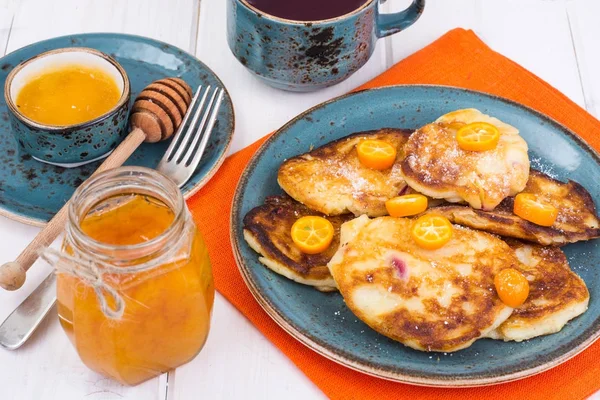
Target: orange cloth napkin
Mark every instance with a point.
(459, 58)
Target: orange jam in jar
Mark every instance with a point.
(135, 287)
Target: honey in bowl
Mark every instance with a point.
(68, 95)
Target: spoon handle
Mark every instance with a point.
(12, 274)
(24, 320)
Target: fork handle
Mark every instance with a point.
(12, 274)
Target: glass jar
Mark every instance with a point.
(134, 286)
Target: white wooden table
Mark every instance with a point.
(555, 39)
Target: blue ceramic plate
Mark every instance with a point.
(322, 322)
(32, 192)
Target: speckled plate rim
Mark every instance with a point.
(418, 380)
(189, 192)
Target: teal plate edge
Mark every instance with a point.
(323, 323)
(32, 192)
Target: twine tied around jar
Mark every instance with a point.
(92, 271)
(92, 274)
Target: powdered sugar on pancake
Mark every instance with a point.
(435, 165)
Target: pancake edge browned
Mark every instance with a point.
(315, 152)
(545, 320)
(313, 269)
(434, 188)
(414, 179)
(482, 220)
(270, 260)
(501, 224)
(318, 153)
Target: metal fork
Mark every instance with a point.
(188, 145)
(179, 163)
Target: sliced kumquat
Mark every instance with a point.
(312, 234)
(512, 287)
(528, 207)
(431, 231)
(478, 136)
(407, 205)
(376, 154)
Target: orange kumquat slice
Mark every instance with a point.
(404, 206)
(431, 231)
(528, 207)
(376, 154)
(478, 136)
(512, 287)
(312, 234)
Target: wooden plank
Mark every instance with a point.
(48, 367)
(534, 34)
(38, 20)
(6, 22)
(259, 108)
(583, 19)
(238, 362)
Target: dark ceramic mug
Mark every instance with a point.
(309, 55)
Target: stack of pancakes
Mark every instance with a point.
(431, 300)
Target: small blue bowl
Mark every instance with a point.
(69, 145)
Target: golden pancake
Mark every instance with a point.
(436, 166)
(267, 230)
(556, 294)
(429, 300)
(576, 220)
(331, 179)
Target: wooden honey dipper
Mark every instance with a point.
(156, 114)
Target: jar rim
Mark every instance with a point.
(124, 180)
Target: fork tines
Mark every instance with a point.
(189, 142)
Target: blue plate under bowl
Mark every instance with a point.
(32, 192)
(321, 320)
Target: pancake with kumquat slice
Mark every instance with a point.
(467, 156)
(576, 220)
(332, 180)
(429, 300)
(267, 229)
(556, 294)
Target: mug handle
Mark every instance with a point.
(388, 24)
